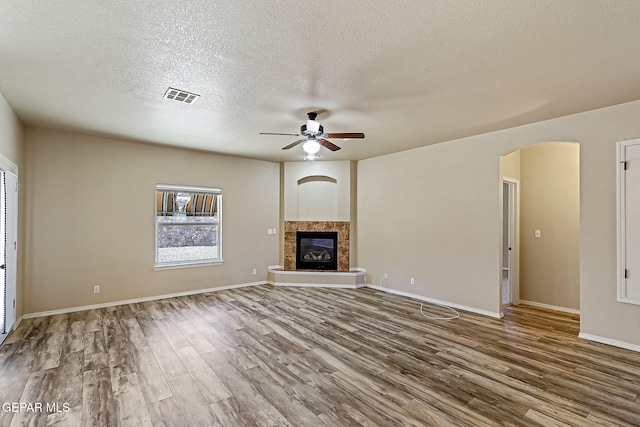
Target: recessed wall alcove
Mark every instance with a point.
(317, 198)
(307, 185)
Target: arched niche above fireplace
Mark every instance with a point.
(332, 181)
(317, 198)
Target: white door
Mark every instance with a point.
(8, 250)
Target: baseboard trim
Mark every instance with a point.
(16, 323)
(608, 341)
(550, 307)
(440, 302)
(137, 300)
(13, 328)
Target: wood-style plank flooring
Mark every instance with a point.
(267, 356)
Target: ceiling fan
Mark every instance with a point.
(314, 136)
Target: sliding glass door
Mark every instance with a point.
(8, 250)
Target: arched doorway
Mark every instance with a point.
(545, 179)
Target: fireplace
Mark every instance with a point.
(316, 250)
(291, 254)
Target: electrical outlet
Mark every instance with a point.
(255, 271)
(386, 276)
(96, 289)
(537, 233)
(413, 281)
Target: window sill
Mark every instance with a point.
(176, 265)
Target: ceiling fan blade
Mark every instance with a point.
(273, 133)
(328, 144)
(353, 135)
(293, 144)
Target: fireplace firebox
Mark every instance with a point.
(316, 250)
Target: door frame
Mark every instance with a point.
(514, 232)
(8, 166)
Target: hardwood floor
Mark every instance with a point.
(270, 356)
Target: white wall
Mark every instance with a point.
(440, 222)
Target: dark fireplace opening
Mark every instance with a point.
(316, 250)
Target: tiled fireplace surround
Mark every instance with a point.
(291, 227)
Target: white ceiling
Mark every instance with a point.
(406, 73)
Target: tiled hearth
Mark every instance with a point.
(290, 228)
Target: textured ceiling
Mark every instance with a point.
(406, 73)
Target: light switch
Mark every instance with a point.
(537, 233)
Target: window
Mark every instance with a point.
(188, 225)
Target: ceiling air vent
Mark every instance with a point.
(181, 95)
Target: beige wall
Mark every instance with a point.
(433, 213)
(550, 202)
(90, 219)
(11, 147)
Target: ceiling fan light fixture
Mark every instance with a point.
(311, 146)
(313, 126)
(313, 137)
